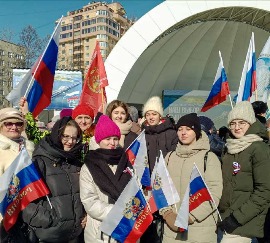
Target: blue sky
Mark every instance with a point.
(41, 14)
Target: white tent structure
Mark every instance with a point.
(176, 44)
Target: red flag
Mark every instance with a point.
(93, 93)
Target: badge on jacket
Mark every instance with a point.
(236, 168)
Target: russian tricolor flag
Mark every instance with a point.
(37, 84)
(248, 82)
(196, 193)
(20, 185)
(137, 155)
(130, 216)
(164, 192)
(220, 88)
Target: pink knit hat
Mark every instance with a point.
(106, 128)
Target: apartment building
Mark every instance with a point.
(105, 22)
(11, 56)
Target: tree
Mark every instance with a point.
(6, 35)
(34, 45)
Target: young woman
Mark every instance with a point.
(159, 131)
(193, 147)
(118, 112)
(102, 178)
(57, 157)
(246, 169)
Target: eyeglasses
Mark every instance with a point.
(10, 124)
(240, 124)
(66, 138)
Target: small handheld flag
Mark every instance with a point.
(248, 79)
(20, 185)
(130, 216)
(137, 155)
(220, 88)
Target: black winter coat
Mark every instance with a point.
(159, 137)
(60, 171)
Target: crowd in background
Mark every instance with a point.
(82, 158)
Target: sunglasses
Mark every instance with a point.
(10, 124)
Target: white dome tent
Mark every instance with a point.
(176, 44)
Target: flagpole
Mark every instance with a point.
(231, 100)
(209, 193)
(135, 140)
(32, 79)
(49, 201)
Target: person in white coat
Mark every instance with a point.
(102, 178)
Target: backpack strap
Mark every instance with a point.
(169, 157)
(205, 160)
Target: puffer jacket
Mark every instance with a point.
(246, 194)
(61, 174)
(180, 164)
(159, 137)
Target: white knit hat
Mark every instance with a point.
(243, 111)
(153, 104)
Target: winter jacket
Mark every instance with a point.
(246, 194)
(180, 164)
(60, 171)
(104, 165)
(159, 137)
(9, 150)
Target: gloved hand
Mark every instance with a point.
(170, 218)
(229, 224)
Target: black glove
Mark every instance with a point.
(229, 224)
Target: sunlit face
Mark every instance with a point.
(152, 117)
(239, 128)
(119, 115)
(186, 135)
(12, 128)
(84, 121)
(69, 137)
(109, 143)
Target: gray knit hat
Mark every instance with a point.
(243, 111)
(153, 104)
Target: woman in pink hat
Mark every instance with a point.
(102, 178)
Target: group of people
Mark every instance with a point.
(82, 160)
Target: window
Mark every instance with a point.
(2, 63)
(2, 53)
(10, 54)
(103, 44)
(86, 63)
(87, 48)
(102, 12)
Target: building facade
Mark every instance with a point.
(11, 56)
(81, 28)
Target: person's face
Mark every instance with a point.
(152, 117)
(186, 135)
(84, 121)
(109, 143)
(69, 137)
(12, 128)
(119, 115)
(238, 128)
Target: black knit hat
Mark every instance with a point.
(190, 120)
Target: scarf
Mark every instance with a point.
(124, 129)
(98, 162)
(238, 145)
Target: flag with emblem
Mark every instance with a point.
(130, 216)
(164, 192)
(20, 185)
(137, 155)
